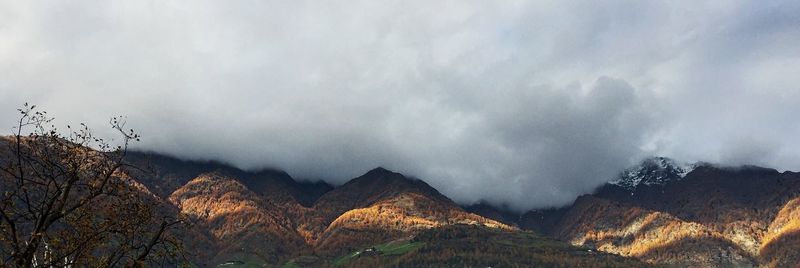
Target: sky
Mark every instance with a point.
(524, 103)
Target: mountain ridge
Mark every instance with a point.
(230, 208)
(383, 205)
(652, 171)
(693, 220)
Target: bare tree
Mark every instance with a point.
(67, 200)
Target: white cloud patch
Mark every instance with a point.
(527, 103)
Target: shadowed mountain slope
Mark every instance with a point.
(238, 219)
(164, 174)
(267, 217)
(381, 205)
(698, 215)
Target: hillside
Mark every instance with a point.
(660, 213)
(699, 215)
(238, 220)
(383, 205)
(654, 214)
(267, 217)
(472, 246)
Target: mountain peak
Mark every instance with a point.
(652, 171)
(381, 178)
(379, 183)
(380, 171)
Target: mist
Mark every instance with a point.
(523, 103)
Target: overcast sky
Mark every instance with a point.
(520, 102)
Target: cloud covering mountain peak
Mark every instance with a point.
(525, 103)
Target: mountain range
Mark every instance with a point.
(667, 213)
(659, 212)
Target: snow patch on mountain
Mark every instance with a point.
(652, 171)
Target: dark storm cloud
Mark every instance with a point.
(526, 103)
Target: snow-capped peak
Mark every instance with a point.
(652, 171)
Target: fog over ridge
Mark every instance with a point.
(529, 103)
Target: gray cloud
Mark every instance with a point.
(526, 103)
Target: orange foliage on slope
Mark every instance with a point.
(733, 212)
(377, 206)
(652, 236)
(240, 220)
(393, 218)
(781, 244)
(373, 209)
